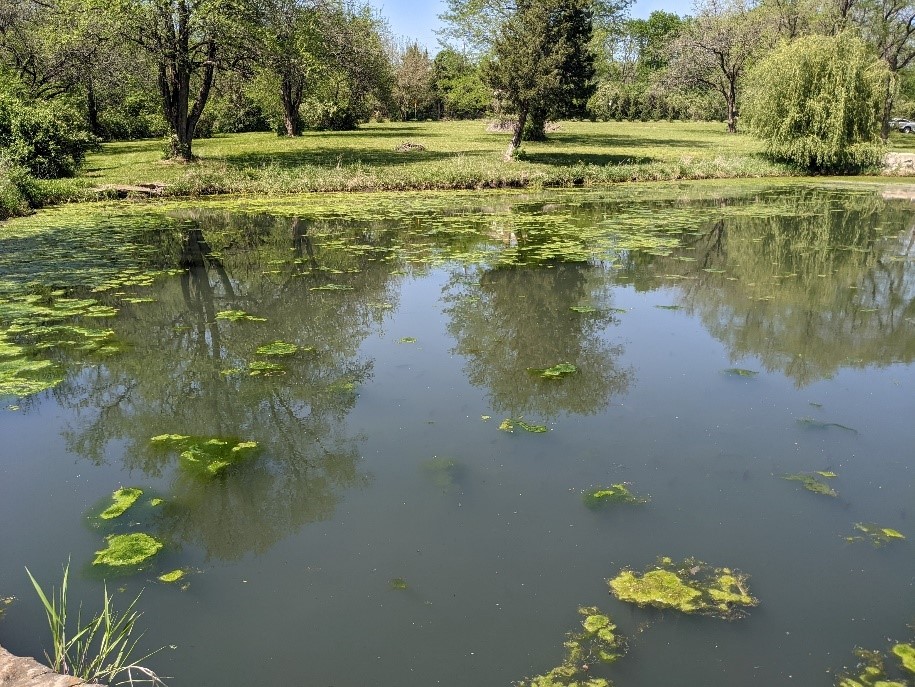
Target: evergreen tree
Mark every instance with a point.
(542, 64)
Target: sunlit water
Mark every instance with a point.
(382, 458)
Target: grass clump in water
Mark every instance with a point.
(207, 457)
(604, 496)
(597, 641)
(127, 550)
(122, 499)
(557, 371)
(813, 484)
(875, 534)
(689, 586)
(238, 316)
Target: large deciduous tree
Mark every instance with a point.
(715, 49)
(818, 101)
(413, 74)
(542, 64)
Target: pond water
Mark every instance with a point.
(387, 528)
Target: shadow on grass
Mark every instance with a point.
(569, 159)
(623, 140)
(328, 157)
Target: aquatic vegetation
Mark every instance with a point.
(871, 670)
(669, 307)
(689, 586)
(584, 309)
(277, 348)
(4, 602)
(127, 550)
(156, 502)
(597, 641)
(528, 427)
(238, 316)
(740, 372)
(555, 372)
(875, 534)
(407, 340)
(603, 496)
(399, 583)
(173, 576)
(810, 423)
(507, 425)
(442, 471)
(207, 457)
(265, 368)
(811, 483)
(122, 499)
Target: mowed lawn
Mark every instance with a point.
(456, 155)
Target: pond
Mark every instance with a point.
(402, 440)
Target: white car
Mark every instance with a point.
(906, 126)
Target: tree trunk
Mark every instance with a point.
(515, 142)
(92, 108)
(888, 102)
(292, 98)
(731, 98)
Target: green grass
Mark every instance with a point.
(458, 155)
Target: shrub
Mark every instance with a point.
(818, 102)
(47, 139)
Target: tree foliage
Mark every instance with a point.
(542, 64)
(818, 102)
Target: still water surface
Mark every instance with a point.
(381, 456)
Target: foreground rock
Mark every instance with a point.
(27, 672)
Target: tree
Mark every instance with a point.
(187, 39)
(542, 64)
(413, 93)
(818, 102)
(458, 86)
(715, 49)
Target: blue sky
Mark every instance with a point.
(418, 20)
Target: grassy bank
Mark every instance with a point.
(457, 155)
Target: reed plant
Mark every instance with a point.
(100, 649)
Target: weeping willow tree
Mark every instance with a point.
(818, 102)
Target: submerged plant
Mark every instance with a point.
(875, 534)
(597, 641)
(399, 583)
(207, 457)
(554, 372)
(689, 586)
(603, 496)
(122, 499)
(98, 650)
(811, 483)
(127, 550)
(810, 423)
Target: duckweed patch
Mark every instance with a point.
(557, 371)
(407, 340)
(207, 457)
(875, 534)
(584, 309)
(122, 499)
(238, 316)
(596, 641)
(277, 348)
(871, 670)
(399, 584)
(812, 483)
(127, 550)
(689, 586)
(600, 497)
(906, 654)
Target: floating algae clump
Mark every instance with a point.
(597, 641)
(906, 654)
(604, 496)
(740, 372)
(277, 348)
(872, 672)
(555, 372)
(811, 483)
(173, 576)
(689, 586)
(122, 499)
(207, 457)
(127, 550)
(875, 534)
(399, 583)
(238, 316)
